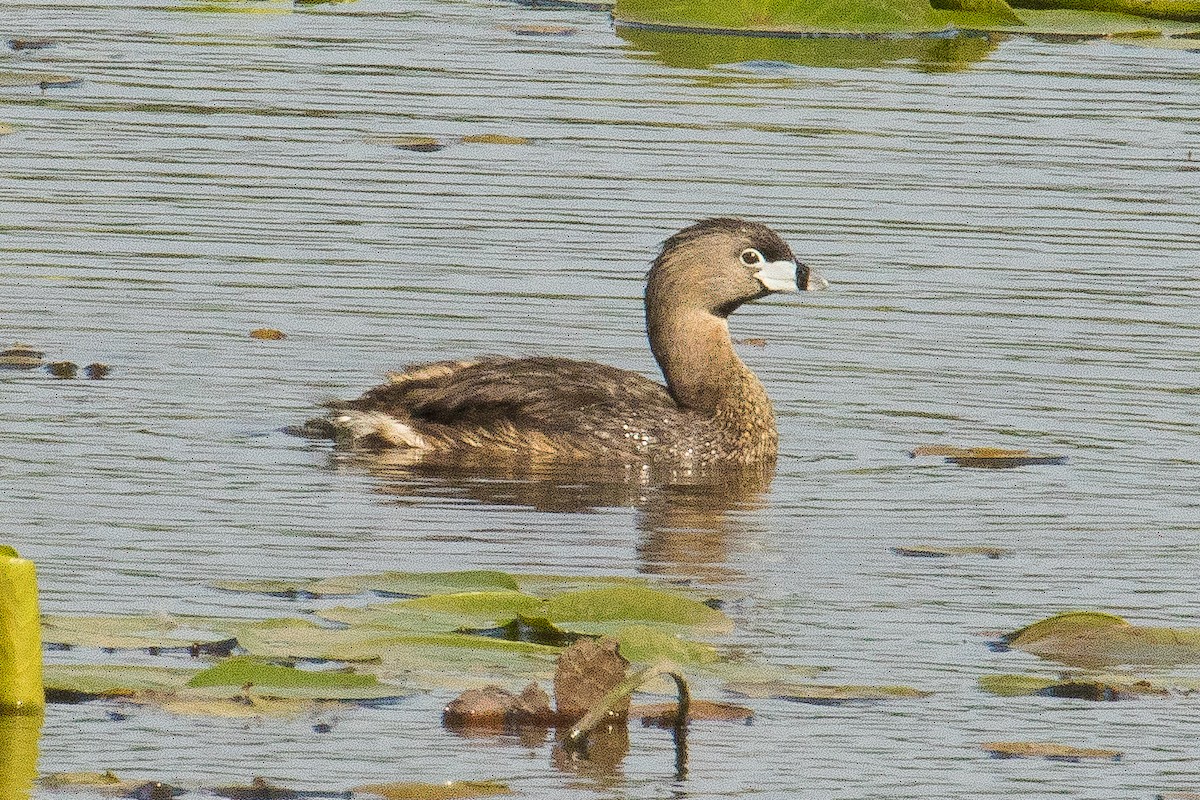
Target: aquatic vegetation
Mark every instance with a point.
(1096, 639)
(1048, 750)
(987, 457)
(914, 17)
(928, 551)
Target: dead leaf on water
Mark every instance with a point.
(267, 333)
(450, 790)
(6, 129)
(986, 457)
(924, 551)
(29, 44)
(1054, 752)
(417, 144)
(493, 138)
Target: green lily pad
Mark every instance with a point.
(1087, 24)
(650, 645)
(461, 661)
(1094, 639)
(824, 693)
(800, 16)
(701, 51)
(75, 682)
(633, 604)
(271, 680)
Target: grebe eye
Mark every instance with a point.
(750, 257)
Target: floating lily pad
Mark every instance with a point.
(1093, 639)
(16, 78)
(1054, 752)
(450, 790)
(1099, 687)
(923, 551)
(634, 604)
(68, 780)
(73, 683)
(417, 144)
(793, 16)
(272, 680)
(193, 634)
(457, 661)
(493, 138)
(824, 694)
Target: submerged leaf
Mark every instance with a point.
(664, 714)
(1054, 752)
(142, 632)
(1100, 687)
(450, 790)
(72, 683)
(1090, 638)
(923, 551)
(824, 694)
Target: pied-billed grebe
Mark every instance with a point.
(713, 409)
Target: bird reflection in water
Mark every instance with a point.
(689, 521)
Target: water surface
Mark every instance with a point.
(1013, 249)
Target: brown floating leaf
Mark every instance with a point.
(6, 129)
(417, 144)
(267, 333)
(450, 790)
(987, 457)
(29, 44)
(493, 138)
(752, 341)
(96, 371)
(1178, 796)
(663, 714)
(63, 369)
(587, 671)
(1055, 752)
(923, 551)
(21, 356)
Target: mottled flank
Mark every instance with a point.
(712, 410)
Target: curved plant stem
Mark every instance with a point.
(603, 710)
